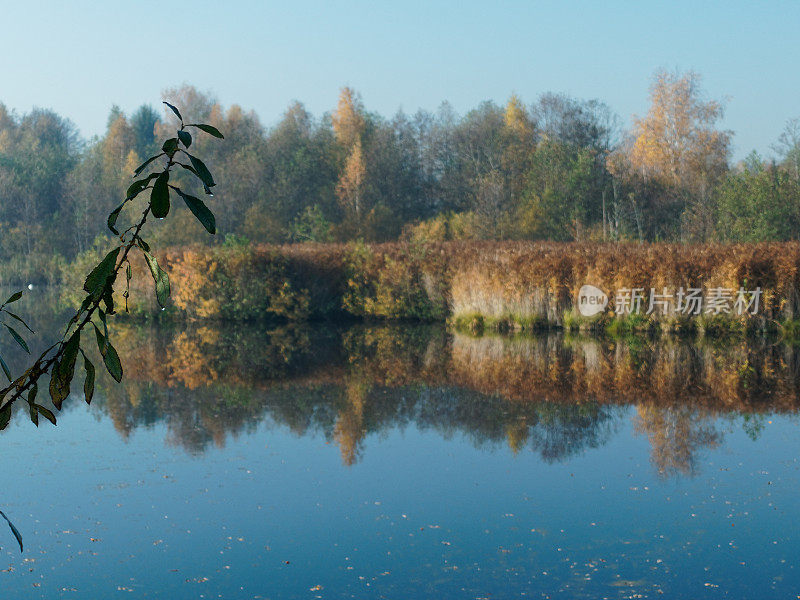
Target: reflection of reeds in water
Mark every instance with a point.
(749, 375)
(552, 394)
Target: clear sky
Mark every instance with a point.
(81, 57)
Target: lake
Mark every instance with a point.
(372, 461)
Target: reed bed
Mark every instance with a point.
(481, 285)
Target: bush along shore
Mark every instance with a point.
(483, 287)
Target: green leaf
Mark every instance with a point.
(14, 297)
(63, 371)
(108, 298)
(96, 281)
(17, 337)
(189, 168)
(34, 415)
(143, 166)
(142, 244)
(159, 197)
(13, 530)
(111, 358)
(202, 171)
(5, 418)
(84, 305)
(139, 185)
(160, 278)
(105, 330)
(32, 393)
(88, 384)
(170, 146)
(46, 413)
(175, 110)
(18, 318)
(66, 368)
(185, 137)
(112, 219)
(57, 391)
(199, 210)
(208, 129)
(5, 368)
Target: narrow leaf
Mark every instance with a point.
(112, 219)
(185, 138)
(5, 369)
(105, 330)
(18, 318)
(14, 297)
(111, 358)
(202, 171)
(96, 280)
(142, 244)
(18, 338)
(84, 305)
(189, 168)
(66, 368)
(175, 110)
(210, 129)
(139, 185)
(5, 416)
(159, 197)
(57, 393)
(199, 210)
(143, 166)
(88, 384)
(46, 413)
(32, 404)
(108, 298)
(160, 278)
(13, 530)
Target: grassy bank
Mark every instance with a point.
(478, 286)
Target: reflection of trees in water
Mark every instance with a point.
(677, 435)
(552, 395)
(554, 431)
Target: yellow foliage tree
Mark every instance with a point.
(520, 143)
(348, 118)
(516, 118)
(677, 142)
(350, 188)
(118, 155)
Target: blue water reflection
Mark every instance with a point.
(352, 487)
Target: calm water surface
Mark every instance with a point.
(377, 462)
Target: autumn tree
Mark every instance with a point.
(348, 118)
(349, 125)
(678, 146)
(350, 189)
(519, 144)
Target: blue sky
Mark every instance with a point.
(81, 57)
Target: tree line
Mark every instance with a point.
(560, 168)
